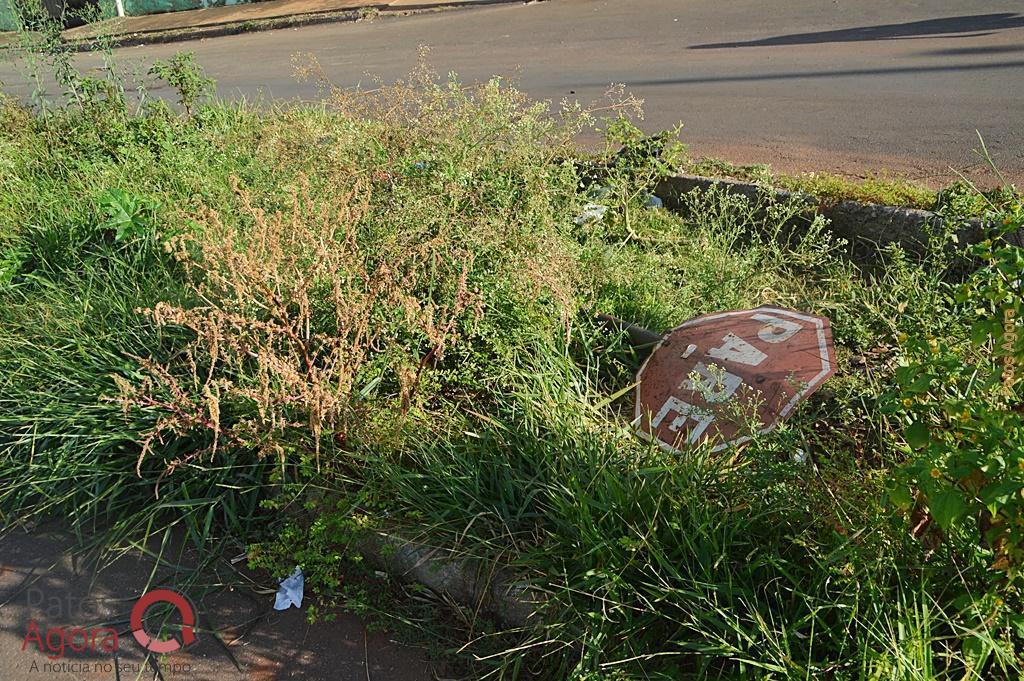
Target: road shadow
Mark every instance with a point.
(977, 50)
(961, 27)
(798, 75)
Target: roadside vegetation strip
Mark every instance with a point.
(960, 200)
(299, 329)
(868, 226)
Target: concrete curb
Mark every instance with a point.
(216, 30)
(864, 225)
(163, 36)
(487, 589)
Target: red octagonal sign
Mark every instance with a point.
(720, 377)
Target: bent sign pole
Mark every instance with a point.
(722, 377)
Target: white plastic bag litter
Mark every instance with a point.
(290, 591)
(591, 213)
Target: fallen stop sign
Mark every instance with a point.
(717, 378)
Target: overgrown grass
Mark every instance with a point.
(291, 327)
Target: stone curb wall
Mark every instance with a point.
(864, 225)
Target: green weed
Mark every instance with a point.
(958, 201)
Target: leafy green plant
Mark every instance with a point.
(126, 215)
(965, 430)
(960, 401)
(183, 74)
(11, 263)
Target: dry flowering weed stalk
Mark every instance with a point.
(415, 100)
(291, 307)
(437, 108)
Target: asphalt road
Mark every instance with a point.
(852, 86)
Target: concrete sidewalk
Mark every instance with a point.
(248, 17)
(44, 579)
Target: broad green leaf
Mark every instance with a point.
(976, 651)
(917, 434)
(900, 497)
(1017, 623)
(947, 506)
(999, 493)
(981, 331)
(921, 384)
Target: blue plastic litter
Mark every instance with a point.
(290, 591)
